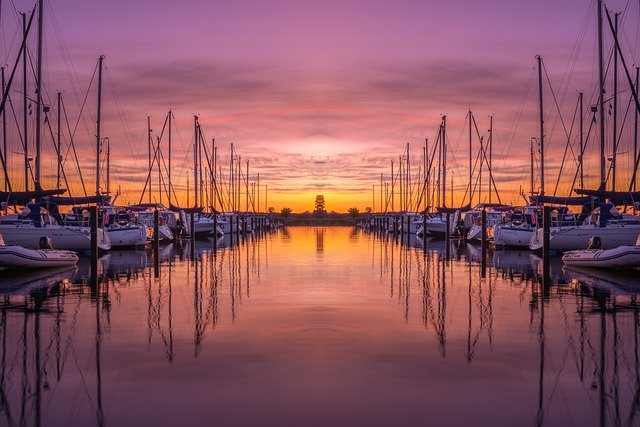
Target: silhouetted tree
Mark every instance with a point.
(285, 213)
(368, 209)
(354, 212)
(271, 210)
(320, 205)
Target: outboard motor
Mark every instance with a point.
(46, 243)
(594, 243)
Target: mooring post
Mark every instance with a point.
(156, 227)
(483, 243)
(447, 232)
(546, 249)
(192, 234)
(93, 223)
(424, 232)
(215, 233)
(156, 243)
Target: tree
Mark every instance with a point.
(354, 212)
(368, 210)
(271, 210)
(285, 213)
(320, 205)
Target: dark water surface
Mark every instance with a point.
(319, 327)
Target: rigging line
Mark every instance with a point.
(18, 31)
(53, 140)
(66, 57)
(73, 148)
(483, 149)
(555, 100)
(23, 47)
(564, 156)
(167, 171)
(511, 135)
(84, 101)
(584, 147)
(148, 180)
(123, 118)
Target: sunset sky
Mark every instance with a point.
(319, 96)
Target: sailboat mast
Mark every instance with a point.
(149, 153)
(24, 103)
(159, 172)
(392, 188)
(480, 171)
(246, 181)
(424, 174)
(38, 94)
(238, 183)
(615, 104)
(539, 58)
(490, 155)
(169, 170)
(408, 181)
(581, 141)
(439, 178)
(200, 172)
(635, 127)
(5, 165)
(427, 174)
(470, 155)
(381, 185)
(108, 165)
(195, 161)
(232, 201)
(400, 187)
(444, 159)
(601, 97)
(58, 144)
(100, 59)
(531, 180)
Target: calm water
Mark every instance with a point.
(319, 326)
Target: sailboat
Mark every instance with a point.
(34, 222)
(604, 222)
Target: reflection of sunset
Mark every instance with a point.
(368, 328)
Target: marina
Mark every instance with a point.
(319, 213)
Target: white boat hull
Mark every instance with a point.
(620, 257)
(436, 227)
(570, 238)
(508, 235)
(63, 237)
(20, 257)
(127, 236)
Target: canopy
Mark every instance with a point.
(617, 197)
(445, 209)
(24, 197)
(574, 201)
(68, 201)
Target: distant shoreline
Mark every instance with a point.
(294, 221)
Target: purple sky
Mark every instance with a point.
(321, 96)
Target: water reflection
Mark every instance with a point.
(187, 331)
(582, 317)
(47, 325)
